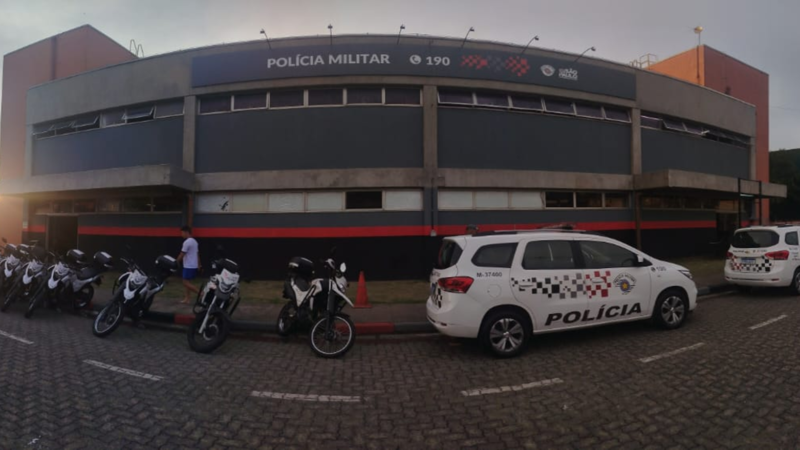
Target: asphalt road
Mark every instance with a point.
(730, 378)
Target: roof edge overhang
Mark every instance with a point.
(680, 179)
(117, 178)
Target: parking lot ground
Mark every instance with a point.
(727, 379)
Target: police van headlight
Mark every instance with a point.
(686, 273)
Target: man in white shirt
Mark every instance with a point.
(190, 257)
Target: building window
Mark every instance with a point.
(250, 101)
(364, 96)
(455, 200)
(403, 201)
(617, 200)
(526, 103)
(693, 128)
(112, 118)
(364, 200)
(84, 206)
(651, 122)
(559, 199)
(286, 202)
(212, 203)
(617, 115)
(139, 204)
(215, 104)
(491, 100)
(286, 99)
(402, 96)
(169, 109)
(526, 200)
(109, 205)
(87, 123)
(139, 114)
(491, 200)
(62, 206)
(324, 201)
(591, 111)
(589, 200)
(674, 125)
(559, 106)
(325, 97)
(249, 202)
(43, 130)
(168, 204)
(455, 97)
(64, 127)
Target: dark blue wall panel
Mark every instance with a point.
(667, 150)
(310, 138)
(140, 144)
(483, 139)
(306, 220)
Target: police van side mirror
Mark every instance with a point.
(641, 262)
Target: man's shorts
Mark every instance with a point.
(189, 274)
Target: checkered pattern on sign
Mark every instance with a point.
(517, 65)
(761, 265)
(474, 61)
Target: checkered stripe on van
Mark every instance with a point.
(763, 265)
(556, 286)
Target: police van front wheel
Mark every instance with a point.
(671, 309)
(505, 333)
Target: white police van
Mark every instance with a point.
(764, 256)
(501, 287)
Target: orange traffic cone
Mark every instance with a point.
(362, 301)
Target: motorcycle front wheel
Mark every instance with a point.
(36, 301)
(10, 297)
(333, 341)
(83, 297)
(287, 319)
(110, 317)
(216, 332)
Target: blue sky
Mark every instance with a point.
(761, 33)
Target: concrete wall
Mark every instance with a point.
(668, 150)
(484, 139)
(309, 138)
(146, 143)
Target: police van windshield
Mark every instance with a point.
(449, 254)
(755, 239)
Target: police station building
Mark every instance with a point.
(379, 146)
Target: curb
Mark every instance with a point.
(363, 328)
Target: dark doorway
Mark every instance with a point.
(726, 225)
(62, 234)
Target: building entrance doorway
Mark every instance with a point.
(62, 234)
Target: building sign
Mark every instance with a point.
(409, 60)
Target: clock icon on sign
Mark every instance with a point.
(415, 59)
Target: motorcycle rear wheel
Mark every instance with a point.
(9, 298)
(216, 332)
(335, 342)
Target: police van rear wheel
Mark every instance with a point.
(796, 282)
(505, 333)
(671, 309)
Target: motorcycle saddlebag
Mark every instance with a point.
(104, 259)
(76, 256)
(166, 264)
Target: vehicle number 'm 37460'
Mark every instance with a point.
(489, 274)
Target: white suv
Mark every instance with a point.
(502, 287)
(764, 256)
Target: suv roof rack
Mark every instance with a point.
(537, 230)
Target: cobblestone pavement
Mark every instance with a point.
(584, 389)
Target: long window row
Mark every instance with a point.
(698, 203)
(531, 103)
(681, 126)
(322, 201)
(109, 205)
(529, 200)
(121, 116)
(299, 98)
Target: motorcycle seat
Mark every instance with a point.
(88, 273)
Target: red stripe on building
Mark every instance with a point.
(378, 231)
(131, 231)
(34, 229)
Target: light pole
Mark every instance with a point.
(330, 30)
(402, 27)
(584, 52)
(698, 30)
(465, 37)
(535, 38)
(267, 38)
